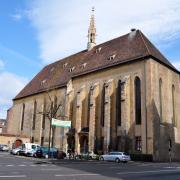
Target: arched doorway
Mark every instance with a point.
(71, 143)
(83, 140)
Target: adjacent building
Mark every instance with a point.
(121, 95)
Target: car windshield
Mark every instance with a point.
(125, 153)
(33, 146)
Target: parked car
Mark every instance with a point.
(28, 148)
(32, 152)
(16, 151)
(61, 154)
(43, 152)
(116, 156)
(4, 147)
(88, 156)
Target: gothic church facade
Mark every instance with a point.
(121, 95)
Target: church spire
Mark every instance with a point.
(91, 32)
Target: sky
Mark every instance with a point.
(34, 33)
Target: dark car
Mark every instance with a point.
(43, 152)
(61, 154)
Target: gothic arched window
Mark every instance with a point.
(44, 115)
(137, 85)
(22, 117)
(34, 115)
(160, 99)
(102, 105)
(118, 104)
(173, 106)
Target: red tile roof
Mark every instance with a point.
(128, 48)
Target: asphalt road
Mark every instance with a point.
(13, 167)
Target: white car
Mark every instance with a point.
(16, 150)
(5, 148)
(115, 156)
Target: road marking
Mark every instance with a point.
(15, 176)
(9, 165)
(45, 169)
(61, 175)
(173, 167)
(22, 165)
(141, 172)
(33, 165)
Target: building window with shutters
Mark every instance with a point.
(22, 118)
(137, 85)
(138, 143)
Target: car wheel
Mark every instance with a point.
(124, 161)
(117, 160)
(101, 159)
(90, 158)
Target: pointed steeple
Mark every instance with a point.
(91, 32)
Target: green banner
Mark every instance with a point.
(61, 123)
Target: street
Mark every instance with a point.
(15, 167)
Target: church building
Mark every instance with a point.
(121, 95)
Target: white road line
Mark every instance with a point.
(141, 172)
(9, 165)
(22, 165)
(15, 176)
(64, 175)
(45, 169)
(33, 165)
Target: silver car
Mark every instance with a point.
(115, 156)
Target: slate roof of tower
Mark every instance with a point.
(127, 48)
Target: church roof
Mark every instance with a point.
(125, 49)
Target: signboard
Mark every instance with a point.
(61, 123)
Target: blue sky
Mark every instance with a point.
(37, 32)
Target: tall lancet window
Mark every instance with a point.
(44, 115)
(22, 117)
(102, 105)
(118, 104)
(160, 100)
(137, 85)
(34, 115)
(173, 106)
(55, 107)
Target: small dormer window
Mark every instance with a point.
(52, 69)
(98, 49)
(65, 64)
(111, 57)
(84, 65)
(72, 69)
(43, 81)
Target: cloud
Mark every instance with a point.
(62, 25)
(16, 17)
(11, 84)
(177, 64)
(1, 64)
